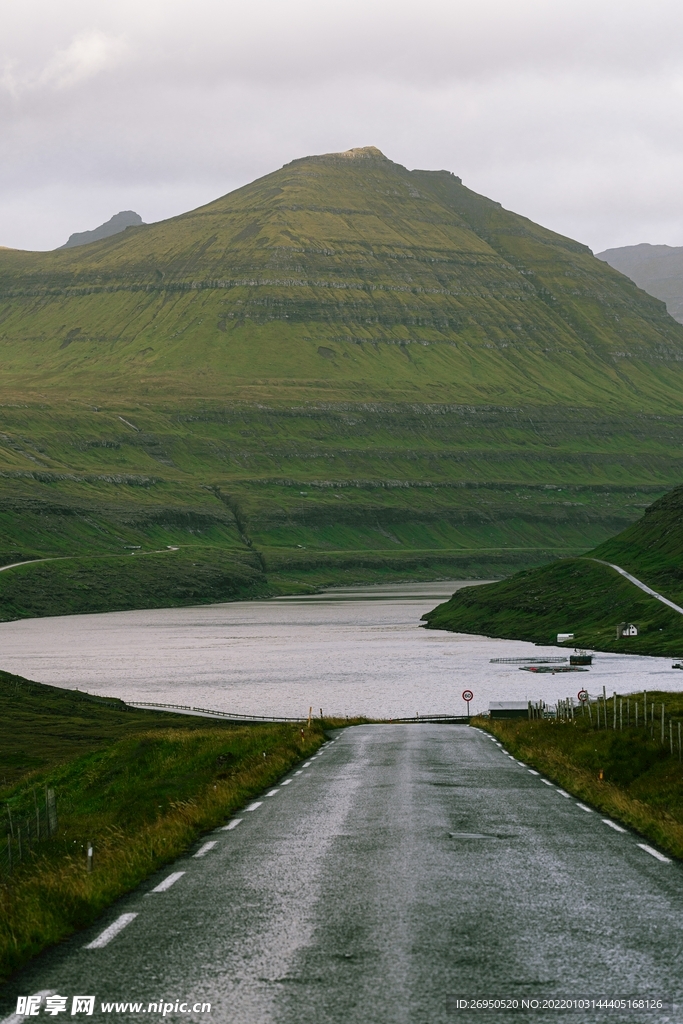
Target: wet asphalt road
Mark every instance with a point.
(406, 868)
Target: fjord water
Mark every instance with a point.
(349, 651)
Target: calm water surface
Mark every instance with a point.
(348, 651)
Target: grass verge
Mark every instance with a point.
(137, 785)
(641, 784)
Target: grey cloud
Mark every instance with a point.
(568, 113)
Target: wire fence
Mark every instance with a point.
(618, 713)
(27, 828)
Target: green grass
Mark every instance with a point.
(448, 383)
(641, 783)
(165, 579)
(141, 786)
(587, 598)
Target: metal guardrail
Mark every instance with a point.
(211, 711)
(230, 716)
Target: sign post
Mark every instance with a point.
(467, 695)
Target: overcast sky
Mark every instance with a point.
(567, 111)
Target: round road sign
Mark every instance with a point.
(467, 695)
(582, 695)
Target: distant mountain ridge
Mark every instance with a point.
(119, 222)
(657, 269)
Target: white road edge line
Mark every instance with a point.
(111, 932)
(168, 882)
(231, 824)
(654, 853)
(306, 765)
(584, 808)
(286, 782)
(532, 771)
(273, 792)
(17, 1018)
(299, 772)
(562, 792)
(203, 850)
(252, 807)
(545, 781)
(613, 824)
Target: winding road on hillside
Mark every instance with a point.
(639, 583)
(401, 870)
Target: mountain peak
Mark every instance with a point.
(119, 222)
(366, 153)
(361, 153)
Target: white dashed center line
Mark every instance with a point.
(168, 882)
(654, 853)
(252, 807)
(307, 765)
(111, 932)
(286, 782)
(273, 792)
(613, 824)
(203, 850)
(299, 772)
(18, 1018)
(231, 824)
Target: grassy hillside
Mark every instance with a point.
(586, 597)
(140, 786)
(343, 371)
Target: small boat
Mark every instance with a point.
(581, 659)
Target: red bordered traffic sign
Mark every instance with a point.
(582, 695)
(467, 695)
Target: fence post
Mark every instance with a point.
(671, 736)
(662, 725)
(679, 741)
(90, 855)
(51, 810)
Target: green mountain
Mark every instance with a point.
(585, 595)
(343, 371)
